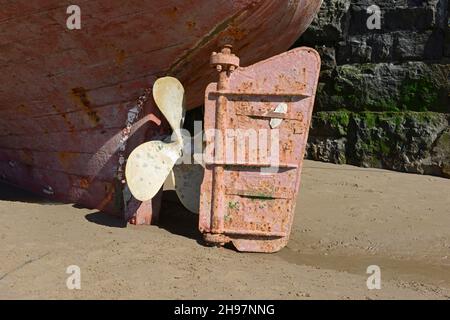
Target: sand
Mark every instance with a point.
(347, 219)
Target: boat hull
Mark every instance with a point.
(66, 95)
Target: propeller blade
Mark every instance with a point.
(169, 184)
(188, 180)
(148, 167)
(168, 94)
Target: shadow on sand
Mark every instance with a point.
(105, 219)
(177, 219)
(11, 193)
(173, 217)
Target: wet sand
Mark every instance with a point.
(347, 219)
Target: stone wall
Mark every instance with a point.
(383, 99)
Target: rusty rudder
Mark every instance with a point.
(251, 201)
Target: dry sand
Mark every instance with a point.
(347, 219)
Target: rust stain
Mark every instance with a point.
(65, 118)
(171, 12)
(120, 56)
(66, 158)
(236, 33)
(212, 35)
(26, 157)
(84, 183)
(245, 86)
(23, 109)
(191, 24)
(290, 84)
(69, 124)
(109, 197)
(80, 96)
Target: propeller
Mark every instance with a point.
(151, 163)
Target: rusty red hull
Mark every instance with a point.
(65, 95)
(253, 176)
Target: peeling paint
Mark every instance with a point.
(48, 190)
(132, 117)
(276, 122)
